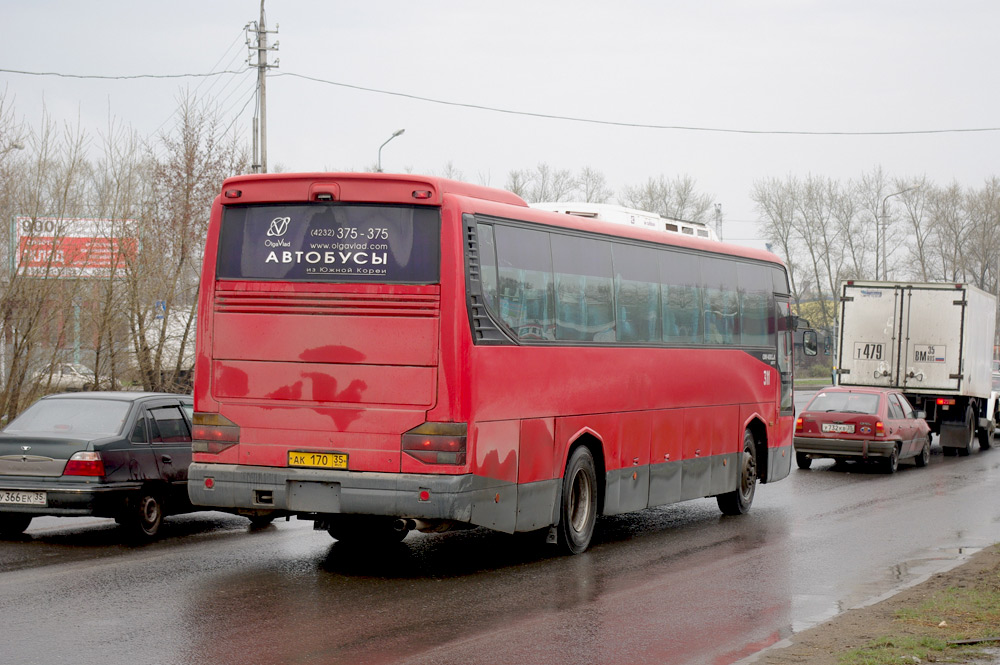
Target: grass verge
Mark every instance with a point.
(929, 631)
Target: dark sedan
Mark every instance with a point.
(862, 424)
(107, 454)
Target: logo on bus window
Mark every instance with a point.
(278, 226)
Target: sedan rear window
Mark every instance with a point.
(866, 403)
(71, 418)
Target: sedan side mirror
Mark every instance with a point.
(919, 415)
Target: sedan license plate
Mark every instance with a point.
(838, 427)
(18, 498)
(318, 460)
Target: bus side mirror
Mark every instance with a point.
(809, 342)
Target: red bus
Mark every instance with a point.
(380, 353)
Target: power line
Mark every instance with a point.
(531, 114)
(634, 124)
(119, 78)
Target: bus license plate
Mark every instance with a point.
(838, 427)
(9, 497)
(318, 460)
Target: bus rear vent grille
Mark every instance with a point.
(330, 304)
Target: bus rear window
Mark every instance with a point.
(330, 243)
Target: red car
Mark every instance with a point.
(863, 424)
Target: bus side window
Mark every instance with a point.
(680, 280)
(721, 302)
(756, 327)
(525, 295)
(637, 293)
(488, 263)
(584, 301)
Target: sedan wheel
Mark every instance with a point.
(925, 454)
(144, 516)
(891, 463)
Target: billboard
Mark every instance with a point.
(73, 247)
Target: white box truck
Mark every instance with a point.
(934, 342)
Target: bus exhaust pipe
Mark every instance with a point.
(404, 524)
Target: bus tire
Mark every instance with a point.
(578, 505)
(738, 501)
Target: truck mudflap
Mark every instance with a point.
(956, 435)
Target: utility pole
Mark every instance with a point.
(257, 43)
(718, 220)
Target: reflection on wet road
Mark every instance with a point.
(681, 584)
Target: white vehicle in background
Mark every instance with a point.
(616, 214)
(992, 412)
(65, 377)
(931, 341)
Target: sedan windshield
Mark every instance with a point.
(72, 418)
(845, 403)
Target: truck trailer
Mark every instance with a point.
(934, 342)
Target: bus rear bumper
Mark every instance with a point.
(311, 492)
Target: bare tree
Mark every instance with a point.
(855, 237)
(982, 245)
(919, 229)
(677, 198)
(776, 203)
(196, 156)
(592, 186)
(948, 230)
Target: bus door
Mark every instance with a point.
(785, 343)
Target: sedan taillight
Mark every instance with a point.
(798, 425)
(879, 428)
(84, 463)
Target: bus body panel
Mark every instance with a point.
(352, 367)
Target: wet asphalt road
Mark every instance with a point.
(680, 584)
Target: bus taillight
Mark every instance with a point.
(213, 433)
(437, 443)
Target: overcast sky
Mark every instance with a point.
(755, 68)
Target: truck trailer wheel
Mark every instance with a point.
(986, 438)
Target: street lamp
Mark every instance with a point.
(394, 135)
(885, 259)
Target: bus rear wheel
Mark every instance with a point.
(738, 501)
(578, 506)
